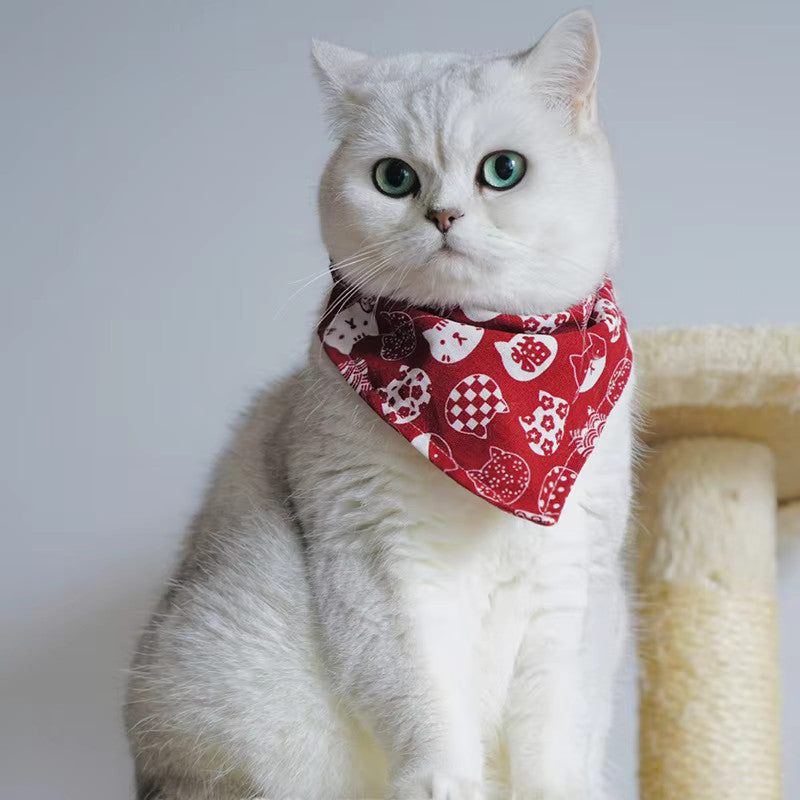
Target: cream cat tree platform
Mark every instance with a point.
(722, 423)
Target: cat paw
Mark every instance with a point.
(437, 786)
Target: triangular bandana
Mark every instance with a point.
(509, 406)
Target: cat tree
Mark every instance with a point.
(722, 472)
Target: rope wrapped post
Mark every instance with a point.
(722, 422)
(710, 707)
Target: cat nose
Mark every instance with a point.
(443, 218)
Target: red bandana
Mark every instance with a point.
(509, 406)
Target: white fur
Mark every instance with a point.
(348, 622)
(532, 249)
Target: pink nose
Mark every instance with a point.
(443, 218)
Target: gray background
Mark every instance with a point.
(158, 163)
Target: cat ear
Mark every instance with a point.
(338, 70)
(563, 65)
(336, 66)
(577, 367)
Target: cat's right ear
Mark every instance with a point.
(339, 71)
(563, 66)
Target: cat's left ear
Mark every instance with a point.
(339, 71)
(563, 66)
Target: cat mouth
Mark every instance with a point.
(447, 248)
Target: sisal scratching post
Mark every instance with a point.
(709, 644)
(722, 421)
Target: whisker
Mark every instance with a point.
(353, 289)
(361, 251)
(361, 255)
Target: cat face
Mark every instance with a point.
(351, 325)
(588, 366)
(404, 397)
(450, 341)
(527, 355)
(503, 478)
(609, 314)
(452, 233)
(544, 425)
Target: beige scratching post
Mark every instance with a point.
(722, 421)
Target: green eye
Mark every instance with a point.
(502, 170)
(394, 177)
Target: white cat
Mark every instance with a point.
(347, 621)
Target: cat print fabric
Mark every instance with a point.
(527, 355)
(508, 406)
(401, 338)
(351, 325)
(404, 397)
(544, 427)
(589, 365)
(436, 450)
(503, 478)
(472, 405)
(452, 341)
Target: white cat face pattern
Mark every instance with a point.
(544, 426)
(588, 365)
(351, 325)
(608, 313)
(404, 397)
(451, 342)
(509, 407)
(527, 355)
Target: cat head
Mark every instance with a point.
(472, 181)
(450, 342)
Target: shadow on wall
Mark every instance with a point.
(62, 688)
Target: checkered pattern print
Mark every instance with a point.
(473, 403)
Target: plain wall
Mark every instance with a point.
(158, 168)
